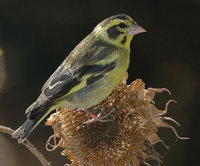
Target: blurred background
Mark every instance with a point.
(36, 36)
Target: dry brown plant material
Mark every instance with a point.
(128, 137)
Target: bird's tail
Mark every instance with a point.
(33, 119)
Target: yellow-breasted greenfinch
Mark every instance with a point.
(88, 74)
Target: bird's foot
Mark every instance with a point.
(97, 118)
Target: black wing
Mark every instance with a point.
(81, 62)
(64, 81)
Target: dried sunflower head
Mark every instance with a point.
(125, 139)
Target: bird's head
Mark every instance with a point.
(118, 29)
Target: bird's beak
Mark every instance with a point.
(135, 29)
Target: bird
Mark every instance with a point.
(88, 74)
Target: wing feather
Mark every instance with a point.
(74, 69)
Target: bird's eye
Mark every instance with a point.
(122, 25)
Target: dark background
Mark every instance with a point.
(37, 35)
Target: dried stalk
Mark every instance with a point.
(28, 145)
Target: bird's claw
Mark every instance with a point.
(97, 118)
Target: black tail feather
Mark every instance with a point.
(33, 119)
